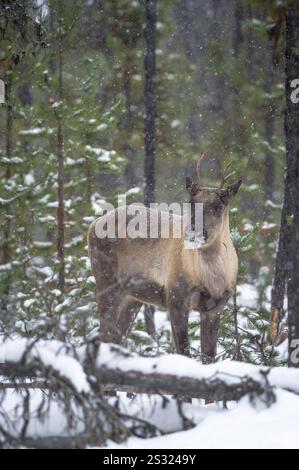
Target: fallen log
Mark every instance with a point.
(165, 384)
(214, 388)
(23, 385)
(80, 377)
(107, 367)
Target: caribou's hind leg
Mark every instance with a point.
(109, 309)
(129, 309)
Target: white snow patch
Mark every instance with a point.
(247, 296)
(243, 427)
(29, 179)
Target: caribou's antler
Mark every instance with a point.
(224, 176)
(200, 157)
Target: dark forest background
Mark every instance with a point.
(104, 98)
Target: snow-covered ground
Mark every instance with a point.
(242, 426)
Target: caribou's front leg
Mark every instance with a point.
(209, 326)
(179, 314)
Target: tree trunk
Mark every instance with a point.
(284, 265)
(269, 132)
(292, 148)
(150, 101)
(6, 257)
(237, 46)
(238, 38)
(149, 124)
(130, 174)
(280, 272)
(60, 155)
(249, 45)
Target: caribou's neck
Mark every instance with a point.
(218, 243)
(207, 265)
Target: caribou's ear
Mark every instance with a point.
(189, 182)
(191, 186)
(228, 193)
(232, 189)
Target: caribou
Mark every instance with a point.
(130, 272)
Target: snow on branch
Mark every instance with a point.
(126, 368)
(79, 376)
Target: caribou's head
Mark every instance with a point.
(215, 206)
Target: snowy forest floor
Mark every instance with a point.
(242, 424)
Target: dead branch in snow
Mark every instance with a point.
(214, 388)
(78, 379)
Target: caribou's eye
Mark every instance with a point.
(216, 208)
(223, 197)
